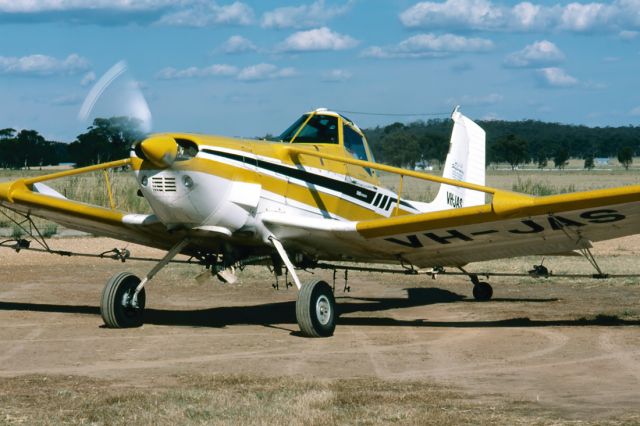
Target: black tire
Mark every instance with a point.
(115, 305)
(316, 309)
(482, 291)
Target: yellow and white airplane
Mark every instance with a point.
(315, 196)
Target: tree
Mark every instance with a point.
(589, 162)
(401, 149)
(28, 148)
(107, 139)
(7, 133)
(541, 159)
(511, 149)
(561, 158)
(625, 156)
(434, 148)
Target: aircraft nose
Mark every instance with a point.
(160, 150)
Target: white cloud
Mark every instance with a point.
(556, 77)
(490, 116)
(192, 13)
(216, 70)
(584, 17)
(264, 72)
(304, 16)
(429, 46)
(539, 54)
(635, 112)
(43, 65)
(317, 40)
(619, 15)
(37, 6)
(202, 14)
(471, 13)
(337, 75)
(468, 100)
(628, 35)
(88, 78)
(250, 73)
(238, 44)
(66, 100)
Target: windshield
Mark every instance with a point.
(319, 129)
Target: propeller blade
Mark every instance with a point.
(124, 97)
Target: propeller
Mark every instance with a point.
(124, 97)
(116, 92)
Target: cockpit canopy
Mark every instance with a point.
(323, 127)
(318, 129)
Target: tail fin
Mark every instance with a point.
(465, 162)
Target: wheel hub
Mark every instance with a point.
(323, 310)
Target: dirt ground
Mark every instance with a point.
(570, 347)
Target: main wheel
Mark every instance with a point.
(116, 305)
(482, 291)
(316, 309)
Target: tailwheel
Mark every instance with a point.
(316, 309)
(482, 291)
(117, 307)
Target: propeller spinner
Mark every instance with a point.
(160, 150)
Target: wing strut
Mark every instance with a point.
(285, 258)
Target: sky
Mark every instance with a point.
(248, 68)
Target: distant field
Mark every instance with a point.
(556, 181)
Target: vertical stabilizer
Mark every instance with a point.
(465, 162)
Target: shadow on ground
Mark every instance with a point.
(269, 314)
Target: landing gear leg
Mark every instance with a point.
(482, 291)
(123, 298)
(315, 306)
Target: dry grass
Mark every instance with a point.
(89, 188)
(251, 400)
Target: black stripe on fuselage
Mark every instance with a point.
(351, 190)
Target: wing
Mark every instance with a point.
(512, 225)
(39, 200)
